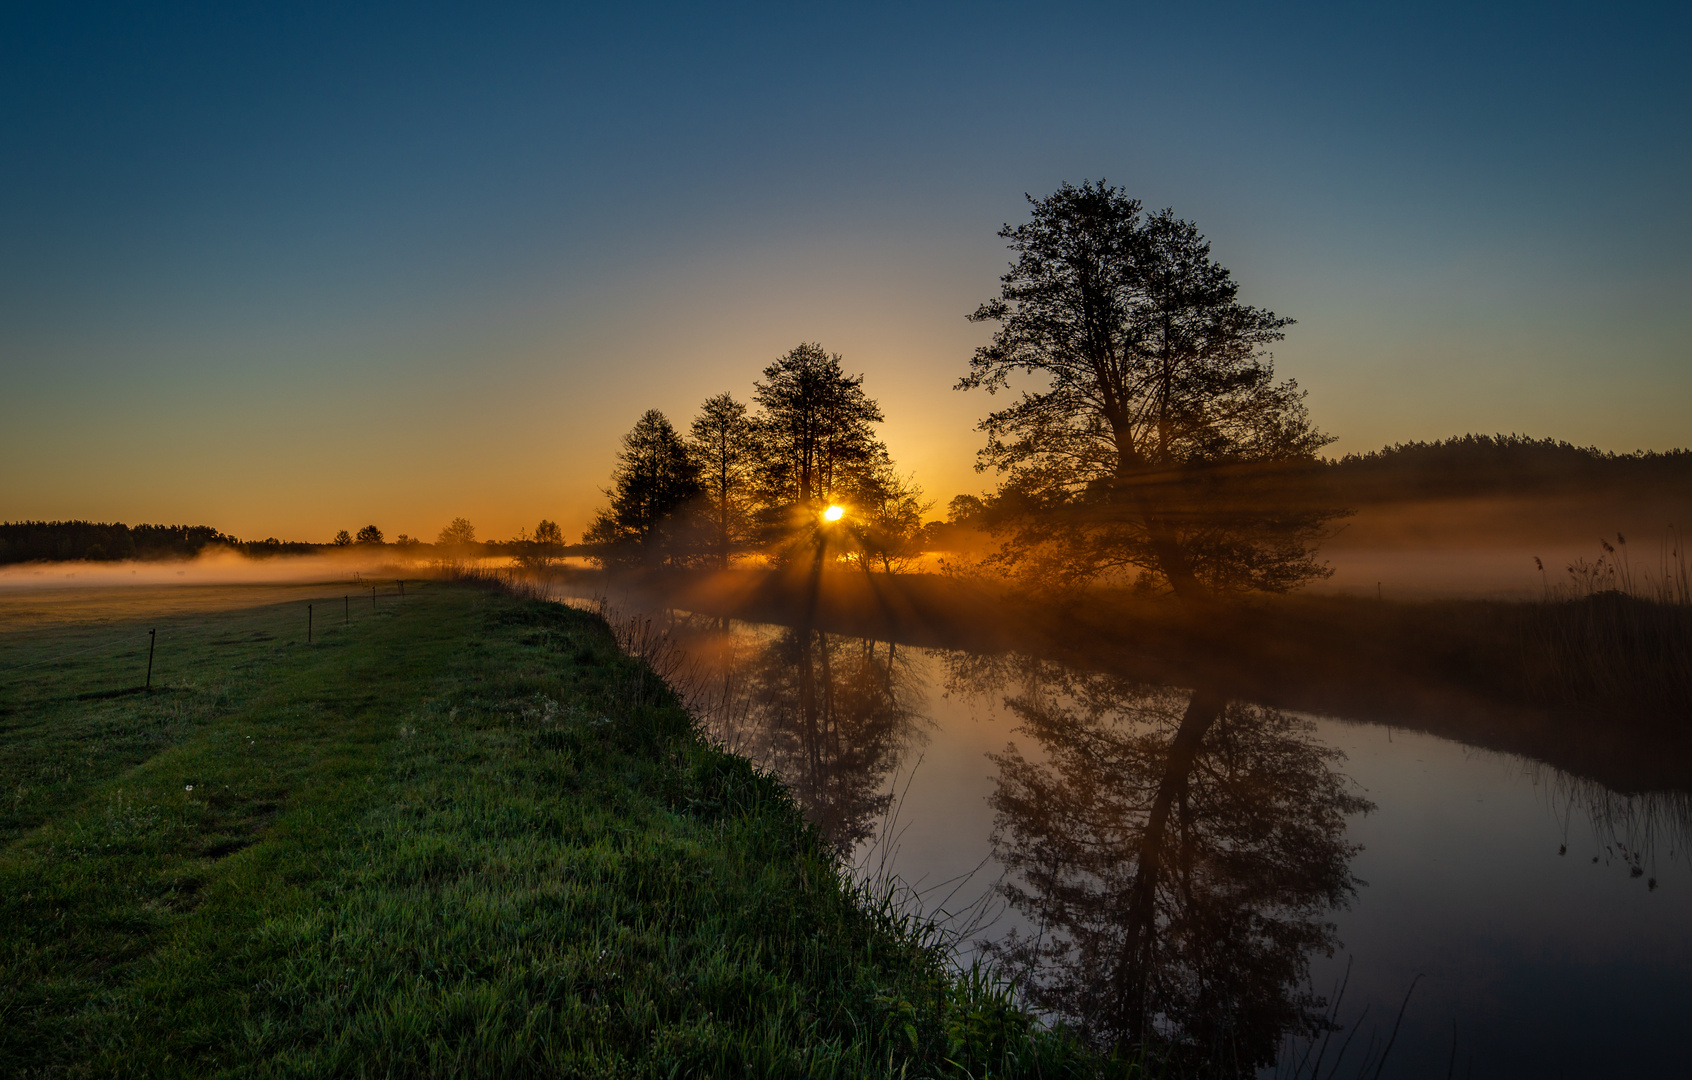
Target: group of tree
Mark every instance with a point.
(369, 536)
(58, 541)
(1471, 465)
(761, 477)
(1150, 441)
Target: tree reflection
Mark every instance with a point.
(831, 715)
(1178, 855)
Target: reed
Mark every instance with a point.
(1612, 632)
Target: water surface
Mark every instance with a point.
(1266, 886)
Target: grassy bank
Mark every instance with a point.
(463, 834)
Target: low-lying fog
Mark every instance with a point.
(211, 568)
(1487, 547)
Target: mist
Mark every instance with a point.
(219, 567)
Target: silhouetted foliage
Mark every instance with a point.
(270, 546)
(370, 534)
(1502, 464)
(55, 541)
(455, 545)
(543, 550)
(1179, 855)
(655, 477)
(886, 524)
(764, 480)
(342, 539)
(457, 533)
(1155, 400)
(964, 510)
(725, 446)
(816, 423)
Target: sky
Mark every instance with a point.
(289, 269)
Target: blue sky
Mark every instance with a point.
(290, 270)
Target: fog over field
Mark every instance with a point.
(209, 568)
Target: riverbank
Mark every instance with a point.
(456, 833)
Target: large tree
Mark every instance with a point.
(816, 425)
(724, 445)
(1154, 417)
(654, 479)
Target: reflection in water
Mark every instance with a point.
(831, 715)
(1635, 830)
(1178, 856)
(1175, 861)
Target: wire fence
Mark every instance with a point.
(321, 614)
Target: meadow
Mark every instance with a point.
(458, 832)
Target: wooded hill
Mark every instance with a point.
(1503, 464)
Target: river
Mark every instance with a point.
(1286, 894)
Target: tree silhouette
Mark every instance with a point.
(541, 551)
(548, 532)
(887, 524)
(458, 533)
(725, 444)
(817, 427)
(1155, 406)
(370, 534)
(342, 539)
(654, 478)
(454, 545)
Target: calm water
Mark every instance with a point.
(1168, 858)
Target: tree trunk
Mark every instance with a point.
(1134, 962)
(1171, 554)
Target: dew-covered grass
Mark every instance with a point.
(463, 835)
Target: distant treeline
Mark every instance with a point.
(57, 541)
(1503, 464)
(68, 541)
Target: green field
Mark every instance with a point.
(462, 835)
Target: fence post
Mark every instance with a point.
(152, 639)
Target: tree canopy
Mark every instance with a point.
(725, 446)
(457, 533)
(816, 423)
(654, 478)
(1142, 443)
(745, 479)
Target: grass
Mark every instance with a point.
(464, 835)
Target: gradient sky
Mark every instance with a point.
(296, 270)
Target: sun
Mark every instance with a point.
(834, 513)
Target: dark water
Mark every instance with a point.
(1271, 888)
